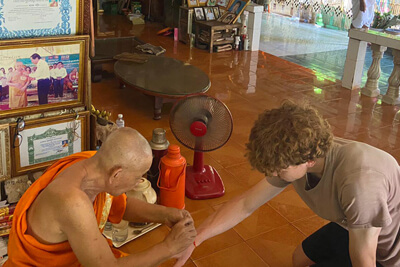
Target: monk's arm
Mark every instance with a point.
(141, 211)
(78, 223)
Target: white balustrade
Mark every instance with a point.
(355, 58)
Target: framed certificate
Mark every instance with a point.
(5, 160)
(38, 18)
(41, 142)
(43, 74)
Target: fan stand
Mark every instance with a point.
(202, 181)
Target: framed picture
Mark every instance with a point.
(209, 13)
(203, 2)
(199, 13)
(24, 19)
(223, 3)
(237, 7)
(43, 74)
(41, 142)
(227, 17)
(193, 3)
(99, 6)
(211, 2)
(217, 14)
(5, 160)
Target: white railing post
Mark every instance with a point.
(371, 86)
(392, 95)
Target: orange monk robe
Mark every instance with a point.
(25, 250)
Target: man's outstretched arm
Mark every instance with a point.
(232, 213)
(362, 245)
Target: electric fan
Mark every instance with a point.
(201, 123)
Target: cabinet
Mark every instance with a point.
(211, 30)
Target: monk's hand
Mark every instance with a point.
(362, 6)
(175, 215)
(181, 236)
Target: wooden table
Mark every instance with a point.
(211, 27)
(164, 78)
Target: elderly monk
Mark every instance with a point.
(54, 222)
(18, 83)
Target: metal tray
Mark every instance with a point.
(131, 235)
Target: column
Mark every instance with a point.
(392, 95)
(371, 86)
(354, 64)
(254, 25)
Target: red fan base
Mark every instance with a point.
(203, 181)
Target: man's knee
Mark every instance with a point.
(300, 259)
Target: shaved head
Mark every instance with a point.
(125, 148)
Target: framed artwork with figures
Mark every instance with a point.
(39, 18)
(43, 74)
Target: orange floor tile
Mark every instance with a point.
(249, 82)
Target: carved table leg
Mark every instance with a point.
(392, 95)
(158, 103)
(371, 86)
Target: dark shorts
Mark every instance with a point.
(329, 247)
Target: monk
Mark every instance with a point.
(58, 221)
(18, 83)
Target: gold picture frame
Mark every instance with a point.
(29, 21)
(193, 3)
(44, 141)
(202, 3)
(71, 51)
(5, 160)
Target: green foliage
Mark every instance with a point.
(385, 20)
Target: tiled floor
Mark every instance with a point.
(320, 49)
(249, 82)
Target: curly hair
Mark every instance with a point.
(290, 135)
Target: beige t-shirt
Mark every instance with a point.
(360, 188)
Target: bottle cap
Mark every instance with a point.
(120, 116)
(174, 151)
(159, 140)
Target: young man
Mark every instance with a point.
(59, 219)
(59, 73)
(42, 75)
(351, 184)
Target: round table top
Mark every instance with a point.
(163, 76)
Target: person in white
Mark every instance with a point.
(42, 75)
(59, 74)
(363, 13)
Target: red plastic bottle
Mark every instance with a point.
(172, 178)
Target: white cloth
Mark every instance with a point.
(42, 71)
(60, 73)
(363, 18)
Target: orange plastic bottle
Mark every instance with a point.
(172, 178)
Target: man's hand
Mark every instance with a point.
(181, 236)
(362, 6)
(183, 256)
(174, 216)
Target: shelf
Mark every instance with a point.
(223, 42)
